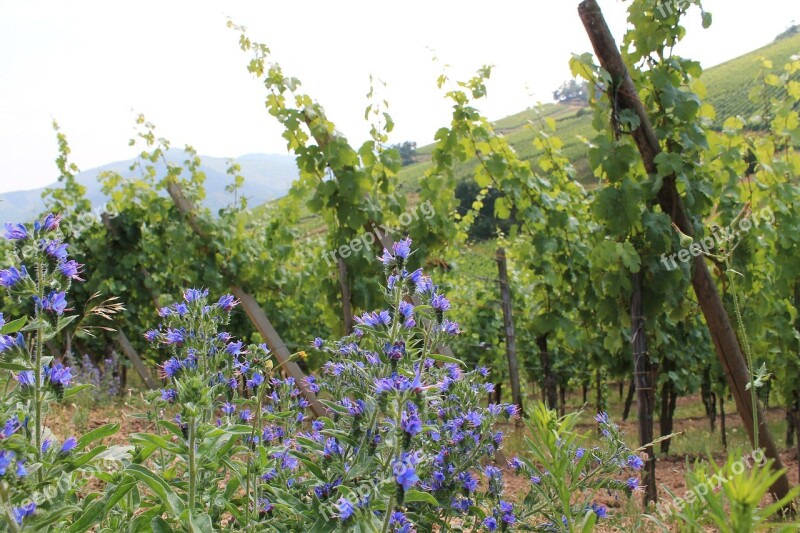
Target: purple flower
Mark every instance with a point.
(192, 295)
(395, 351)
(536, 480)
(71, 269)
(5, 461)
(354, 408)
(383, 385)
(228, 408)
(345, 509)
(151, 335)
(49, 223)
(635, 462)
(374, 319)
(599, 510)
(400, 521)
(174, 336)
(449, 327)
(311, 383)
(26, 378)
(46, 445)
(15, 232)
(507, 509)
(440, 303)
(55, 302)
(246, 415)
(20, 513)
(255, 381)
(264, 505)
(409, 421)
(169, 395)
(235, 348)
(407, 312)
(170, 367)
(424, 284)
(579, 453)
(227, 302)
(318, 343)
(402, 248)
(490, 523)
(6, 342)
(55, 249)
(601, 417)
(59, 375)
(332, 448)
(633, 483)
(387, 258)
(474, 418)
(405, 473)
(468, 481)
(10, 276)
(69, 445)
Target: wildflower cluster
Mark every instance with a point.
(407, 433)
(566, 477)
(38, 473)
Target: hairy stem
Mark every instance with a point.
(37, 367)
(748, 354)
(192, 463)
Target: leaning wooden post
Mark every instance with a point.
(251, 307)
(511, 341)
(127, 348)
(719, 324)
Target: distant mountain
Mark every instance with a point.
(267, 176)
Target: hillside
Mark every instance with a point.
(729, 85)
(268, 176)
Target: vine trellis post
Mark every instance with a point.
(719, 325)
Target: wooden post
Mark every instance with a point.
(645, 395)
(251, 307)
(133, 357)
(549, 385)
(669, 199)
(347, 309)
(511, 340)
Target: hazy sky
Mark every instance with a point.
(93, 65)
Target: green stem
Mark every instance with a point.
(37, 382)
(4, 501)
(192, 463)
(748, 355)
(395, 454)
(247, 492)
(388, 517)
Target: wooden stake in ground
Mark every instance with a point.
(719, 324)
(251, 307)
(133, 357)
(645, 397)
(511, 341)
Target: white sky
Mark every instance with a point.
(93, 65)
